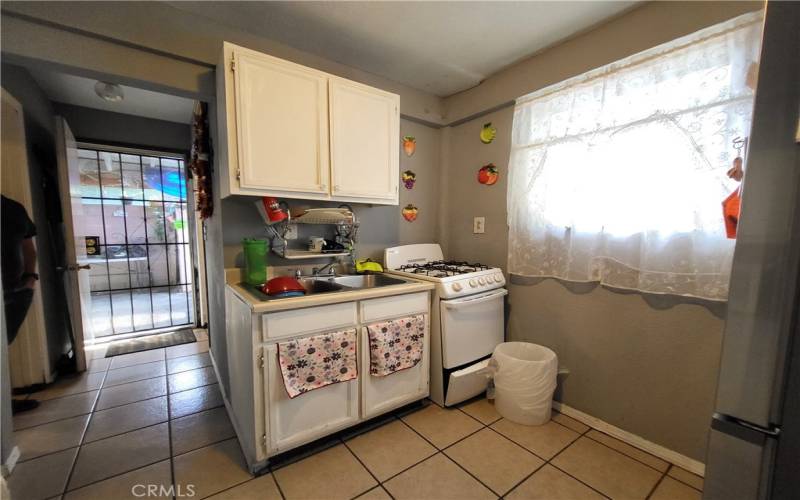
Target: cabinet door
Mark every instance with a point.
(382, 394)
(282, 126)
(317, 413)
(365, 143)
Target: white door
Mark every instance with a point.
(365, 143)
(76, 274)
(282, 126)
(309, 416)
(28, 357)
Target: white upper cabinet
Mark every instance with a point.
(365, 143)
(295, 132)
(282, 122)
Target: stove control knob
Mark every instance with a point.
(473, 283)
(498, 278)
(457, 287)
(481, 281)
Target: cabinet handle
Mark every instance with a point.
(336, 187)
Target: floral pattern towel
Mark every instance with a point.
(396, 345)
(314, 362)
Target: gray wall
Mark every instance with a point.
(106, 127)
(39, 133)
(380, 226)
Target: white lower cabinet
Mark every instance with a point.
(292, 422)
(288, 422)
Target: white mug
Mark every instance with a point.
(315, 244)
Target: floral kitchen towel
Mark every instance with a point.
(314, 362)
(396, 345)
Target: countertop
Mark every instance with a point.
(319, 299)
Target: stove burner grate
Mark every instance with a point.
(443, 268)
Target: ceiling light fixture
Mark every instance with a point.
(109, 91)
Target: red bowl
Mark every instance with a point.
(282, 284)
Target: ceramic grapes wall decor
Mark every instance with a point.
(488, 174)
(409, 178)
(409, 145)
(410, 212)
(488, 133)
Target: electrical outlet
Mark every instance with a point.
(291, 233)
(479, 225)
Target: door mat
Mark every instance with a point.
(151, 342)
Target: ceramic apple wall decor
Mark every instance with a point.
(409, 145)
(488, 174)
(410, 212)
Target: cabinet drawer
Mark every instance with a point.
(308, 320)
(394, 307)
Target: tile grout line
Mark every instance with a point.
(549, 462)
(623, 453)
(441, 450)
(277, 484)
(378, 481)
(655, 486)
(116, 406)
(83, 436)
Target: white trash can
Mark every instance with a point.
(524, 382)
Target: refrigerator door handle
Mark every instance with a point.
(744, 430)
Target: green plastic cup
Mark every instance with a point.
(255, 261)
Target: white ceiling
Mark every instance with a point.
(438, 47)
(70, 89)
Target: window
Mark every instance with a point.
(618, 175)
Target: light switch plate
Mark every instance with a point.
(291, 233)
(479, 225)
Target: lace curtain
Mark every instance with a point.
(618, 175)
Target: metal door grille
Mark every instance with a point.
(135, 214)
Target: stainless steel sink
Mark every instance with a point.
(367, 280)
(320, 285)
(315, 285)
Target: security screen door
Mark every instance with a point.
(137, 240)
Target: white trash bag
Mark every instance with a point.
(524, 382)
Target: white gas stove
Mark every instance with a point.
(453, 278)
(467, 317)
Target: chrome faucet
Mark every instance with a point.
(320, 271)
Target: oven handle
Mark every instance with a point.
(459, 303)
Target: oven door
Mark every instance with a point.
(471, 327)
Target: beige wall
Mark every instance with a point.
(641, 28)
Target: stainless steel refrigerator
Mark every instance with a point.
(754, 443)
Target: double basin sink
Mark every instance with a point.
(322, 284)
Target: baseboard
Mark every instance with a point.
(8, 467)
(661, 452)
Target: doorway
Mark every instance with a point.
(135, 218)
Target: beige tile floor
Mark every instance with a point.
(161, 422)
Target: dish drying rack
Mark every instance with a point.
(346, 232)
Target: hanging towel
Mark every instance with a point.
(396, 345)
(314, 362)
